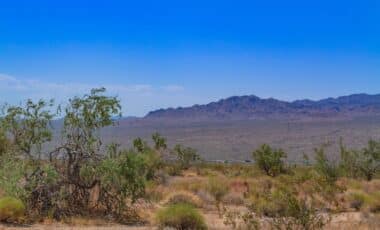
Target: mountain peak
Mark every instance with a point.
(253, 107)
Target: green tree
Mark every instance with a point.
(269, 160)
(81, 151)
(28, 127)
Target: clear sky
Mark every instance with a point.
(155, 54)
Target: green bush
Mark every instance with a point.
(186, 156)
(328, 170)
(180, 216)
(11, 209)
(269, 160)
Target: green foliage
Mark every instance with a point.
(370, 160)
(159, 141)
(120, 178)
(153, 162)
(139, 145)
(11, 174)
(152, 157)
(180, 216)
(269, 160)
(85, 116)
(186, 156)
(11, 209)
(329, 171)
(349, 161)
(29, 126)
(5, 145)
(286, 211)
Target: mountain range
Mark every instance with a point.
(256, 108)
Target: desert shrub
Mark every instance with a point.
(357, 200)
(218, 190)
(5, 143)
(120, 178)
(349, 161)
(159, 142)
(62, 184)
(237, 219)
(302, 174)
(374, 205)
(233, 199)
(286, 211)
(269, 160)
(186, 156)
(328, 170)
(299, 215)
(370, 160)
(11, 174)
(28, 127)
(365, 162)
(154, 192)
(183, 197)
(269, 204)
(180, 216)
(139, 145)
(174, 169)
(11, 209)
(153, 163)
(152, 156)
(205, 196)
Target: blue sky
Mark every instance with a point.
(155, 54)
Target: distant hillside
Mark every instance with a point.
(255, 108)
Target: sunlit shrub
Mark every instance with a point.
(180, 216)
(11, 209)
(271, 161)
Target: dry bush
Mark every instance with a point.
(357, 200)
(234, 198)
(242, 220)
(155, 192)
(183, 197)
(206, 197)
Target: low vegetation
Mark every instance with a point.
(11, 209)
(180, 216)
(158, 184)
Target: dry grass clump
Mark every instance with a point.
(234, 198)
(193, 184)
(155, 192)
(183, 197)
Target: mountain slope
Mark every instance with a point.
(253, 107)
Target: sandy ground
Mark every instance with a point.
(347, 221)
